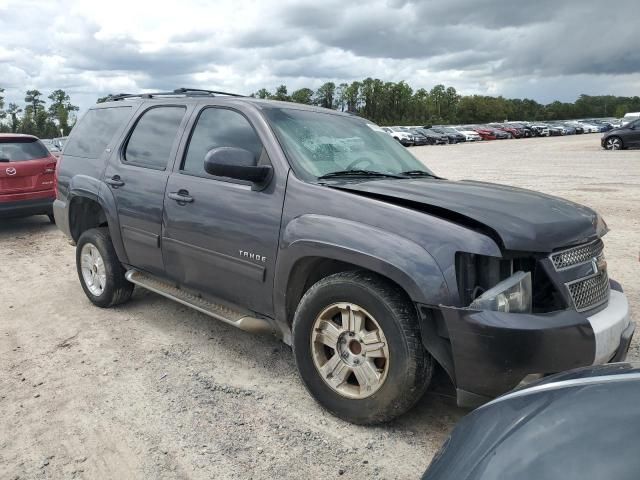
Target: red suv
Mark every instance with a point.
(26, 176)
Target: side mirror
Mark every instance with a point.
(235, 163)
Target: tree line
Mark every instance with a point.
(385, 103)
(37, 118)
(396, 103)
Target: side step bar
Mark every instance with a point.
(238, 319)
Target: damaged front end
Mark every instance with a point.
(517, 317)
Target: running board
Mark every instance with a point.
(236, 318)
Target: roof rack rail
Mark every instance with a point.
(201, 91)
(188, 92)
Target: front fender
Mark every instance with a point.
(388, 254)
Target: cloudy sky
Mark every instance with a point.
(541, 49)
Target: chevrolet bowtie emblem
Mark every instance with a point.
(599, 264)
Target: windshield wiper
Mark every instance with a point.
(418, 173)
(4, 159)
(358, 173)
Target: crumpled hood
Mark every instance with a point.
(522, 219)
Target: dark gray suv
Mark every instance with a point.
(320, 228)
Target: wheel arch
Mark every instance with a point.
(315, 246)
(90, 210)
(307, 271)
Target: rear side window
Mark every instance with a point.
(94, 132)
(20, 149)
(152, 140)
(219, 127)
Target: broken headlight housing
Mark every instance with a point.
(512, 295)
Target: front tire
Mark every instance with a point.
(100, 272)
(613, 143)
(358, 348)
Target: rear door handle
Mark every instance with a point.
(181, 196)
(115, 181)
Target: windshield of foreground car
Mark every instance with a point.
(318, 144)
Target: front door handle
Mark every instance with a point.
(115, 181)
(181, 196)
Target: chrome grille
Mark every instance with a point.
(589, 292)
(576, 255)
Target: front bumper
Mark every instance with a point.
(493, 352)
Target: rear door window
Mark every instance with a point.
(152, 140)
(94, 132)
(21, 149)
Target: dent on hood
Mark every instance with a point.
(516, 219)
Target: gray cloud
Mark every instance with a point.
(543, 49)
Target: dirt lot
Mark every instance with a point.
(154, 390)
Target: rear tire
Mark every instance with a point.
(100, 272)
(331, 356)
(52, 219)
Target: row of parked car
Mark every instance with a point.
(449, 134)
(54, 145)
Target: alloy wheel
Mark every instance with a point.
(614, 143)
(93, 270)
(350, 350)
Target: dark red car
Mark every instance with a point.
(513, 131)
(485, 132)
(26, 176)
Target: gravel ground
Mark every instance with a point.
(152, 389)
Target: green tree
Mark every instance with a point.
(451, 100)
(2, 112)
(325, 95)
(27, 124)
(394, 103)
(263, 93)
(302, 95)
(341, 96)
(60, 109)
(351, 94)
(35, 103)
(281, 94)
(13, 111)
(438, 95)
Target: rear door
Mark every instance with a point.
(137, 176)
(26, 169)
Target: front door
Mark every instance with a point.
(220, 235)
(137, 175)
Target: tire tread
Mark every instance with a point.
(121, 288)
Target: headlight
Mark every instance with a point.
(510, 295)
(601, 227)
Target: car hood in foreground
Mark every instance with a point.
(516, 218)
(576, 427)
